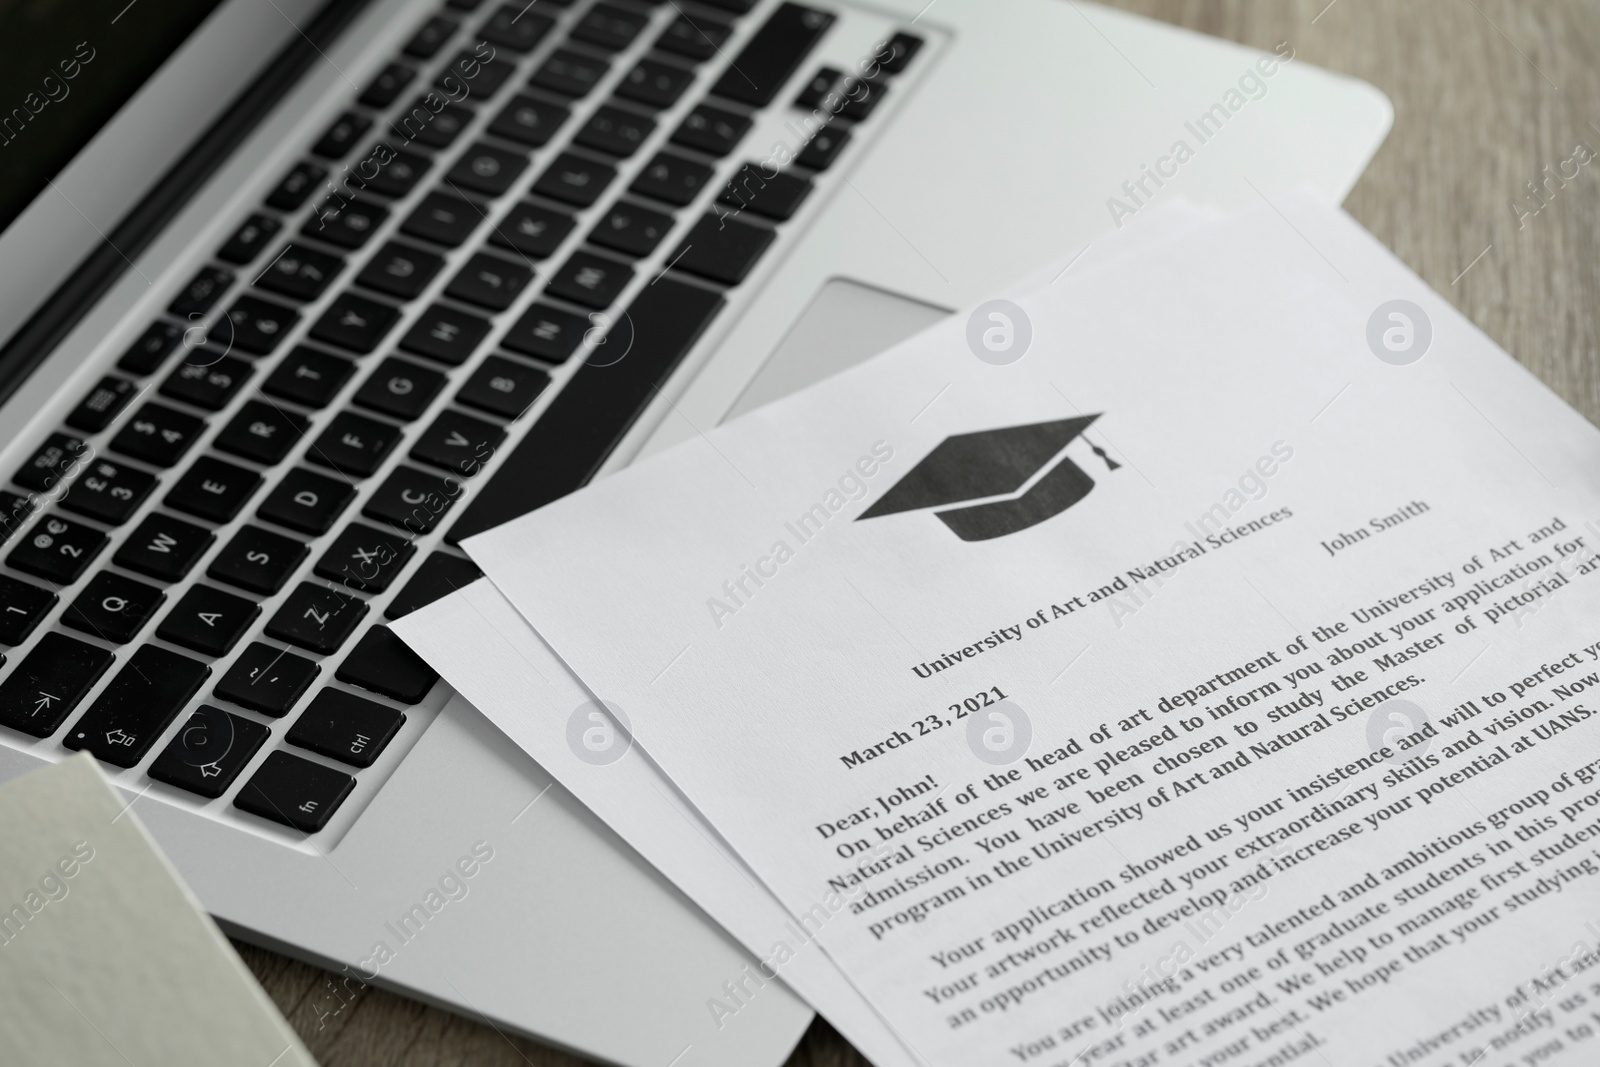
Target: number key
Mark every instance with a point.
(206, 380)
(157, 434)
(109, 492)
(21, 607)
(57, 550)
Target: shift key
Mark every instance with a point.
(138, 705)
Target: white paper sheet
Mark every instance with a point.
(1127, 889)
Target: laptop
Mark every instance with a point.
(296, 294)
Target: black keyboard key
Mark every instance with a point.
(400, 389)
(615, 131)
(163, 547)
(902, 48)
(570, 73)
(342, 136)
(206, 380)
(572, 179)
(151, 349)
(712, 130)
(458, 443)
(503, 387)
(208, 620)
(569, 442)
(674, 179)
(308, 377)
(823, 148)
(306, 501)
(445, 334)
(158, 434)
(57, 550)
(770, 57)
(388, 85)
(590, 280)
(610, 27)
(486, 169)
(817, 89)
(209, 751)
(400, 270)
(345, 727)
(443, 219)
(257, 560)
(316, 618)
(532, 230)
(262, 432)
(53, 461)
(21, 607)
(366, 558)
(354, 445)
(862, 98)
(696, 38)
(439, 576)
(297, 186)
(109, 492)
(14, 511)
(346, 223)
(384, 664)
(473, 79)
(774, 196)
(631, 229)
(722, 249)
(529, 120)
(513, 26)
(738, 7)
(413, 500)
(267, 679)
(295, 792)
(104, 402)
(202, 292)
(354, 322)
(141, 701)
(489, 281)
(425, 44)
(213, 490)
(397, 175)
(113, 608)
(47, 685)
(654, 84)
(300, 273)
(547, 333)
(250, 239)
(432, 123)
(254, 326)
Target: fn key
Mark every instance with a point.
(295, 792)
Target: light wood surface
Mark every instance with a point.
(1486, 94)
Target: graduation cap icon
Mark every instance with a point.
(996, 464)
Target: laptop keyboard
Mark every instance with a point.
(161, 538)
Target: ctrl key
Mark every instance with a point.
(45, 687)
(295, 792)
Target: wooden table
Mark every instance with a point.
(1486, 94)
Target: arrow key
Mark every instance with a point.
(208, 620)
(45, 687)
(209, 751)
(143, 698)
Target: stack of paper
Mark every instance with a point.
(1185, 660)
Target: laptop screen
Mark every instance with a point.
(66, 67)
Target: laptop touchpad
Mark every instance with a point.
(845, 323)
